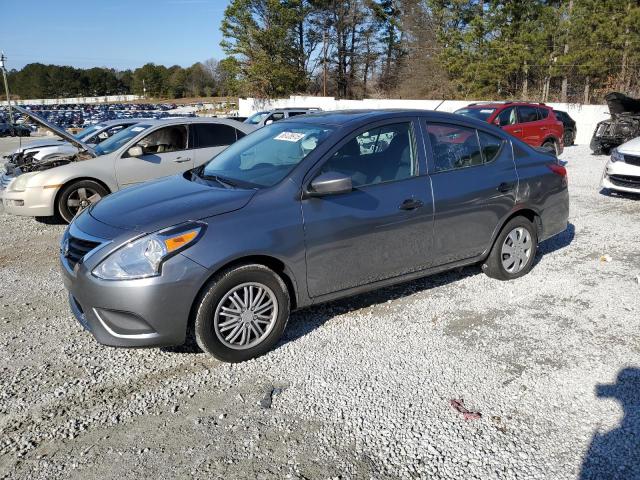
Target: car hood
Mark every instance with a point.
(61, 132)
(40, 144)
(632, 147)
(152, 206)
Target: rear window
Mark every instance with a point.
(543, 113)
(477, 113)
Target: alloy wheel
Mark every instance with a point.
(81, 198)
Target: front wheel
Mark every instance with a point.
(514, 250)
(77, 196)
(242, 313)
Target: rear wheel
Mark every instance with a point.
(514, 250)
(568, 138)
(77, 196)
(551, 146)
(242, 313)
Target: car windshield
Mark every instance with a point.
(256, 118)
(119, 139)
(88, 132)
(477, 113)
(266, 156)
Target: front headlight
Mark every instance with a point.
(144, 257)
(616, 156)
(19, 184)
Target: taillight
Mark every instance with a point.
(557, 169)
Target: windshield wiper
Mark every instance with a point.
(221, 180)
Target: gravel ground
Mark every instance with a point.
(359, 388)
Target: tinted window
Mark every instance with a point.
(490, 145)
(276, 116)
(478, 113)
(164, 140)
(212, 135)
(380, 155)
(453, 147)
(543, 113)
(507, 117)
(293, 114)
(528, 114)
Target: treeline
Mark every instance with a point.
(565, 50)
(208, 78)
(546, 50)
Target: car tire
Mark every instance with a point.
(514, 251)
(551, 145)
(568, 138)
(77, 196)
(232, 322)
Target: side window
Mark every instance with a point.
(276, 116)
(213, 135)
(380, 155)
(528, 114)
(543, 113)
(164, 140)
(239, 134)
(294, 114)
(453, 147)
(507, 117)
(490, 145)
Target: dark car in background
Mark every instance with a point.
(570, 128)
(624, 124)
(15, 130)
(304, 211)
(533, 123)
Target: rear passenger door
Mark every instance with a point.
(474, 184)
(209, 139)
(507, 119)
(531, 125)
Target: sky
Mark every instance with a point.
(110, 33)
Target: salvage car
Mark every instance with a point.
(65, 185)
(622, 172)
(304, 211)
(623, 125)
(533, 123)
(41, 151)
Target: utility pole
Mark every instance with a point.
(6, 85)
(324, 61)
(144, 89)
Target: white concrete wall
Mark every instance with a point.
(66, 101)
(586, 116)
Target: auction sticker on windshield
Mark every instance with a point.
(137, 129)
(289, 136)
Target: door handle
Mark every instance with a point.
(505, 187)
(182, 160)
(544, 128)
(411, 204)
(517, 131)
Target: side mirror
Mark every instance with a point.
(268, 122)
(330, 183)
(135, 151)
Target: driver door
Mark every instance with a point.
(165, 151)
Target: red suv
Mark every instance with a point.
(533, 123)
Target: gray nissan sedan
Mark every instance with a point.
(304, 211)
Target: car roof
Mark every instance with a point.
(244, 127)
(356, 117)
(505, 104)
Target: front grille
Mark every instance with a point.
(77, 249)
(632, 160)
(625, 181)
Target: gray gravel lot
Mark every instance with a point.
(359, 388)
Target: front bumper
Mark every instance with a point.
(32, 202)
(149, 312)
(621, 177)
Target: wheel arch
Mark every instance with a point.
(524, 211)
(72, 181)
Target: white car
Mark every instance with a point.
(44, 149)
(622, 172)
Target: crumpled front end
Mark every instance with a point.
(620, 128)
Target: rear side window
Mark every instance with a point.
(528, 114)
(454, 147)
(213, 135)
(543, 113)
(293, 114)
(490, 145)
(507, 117)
